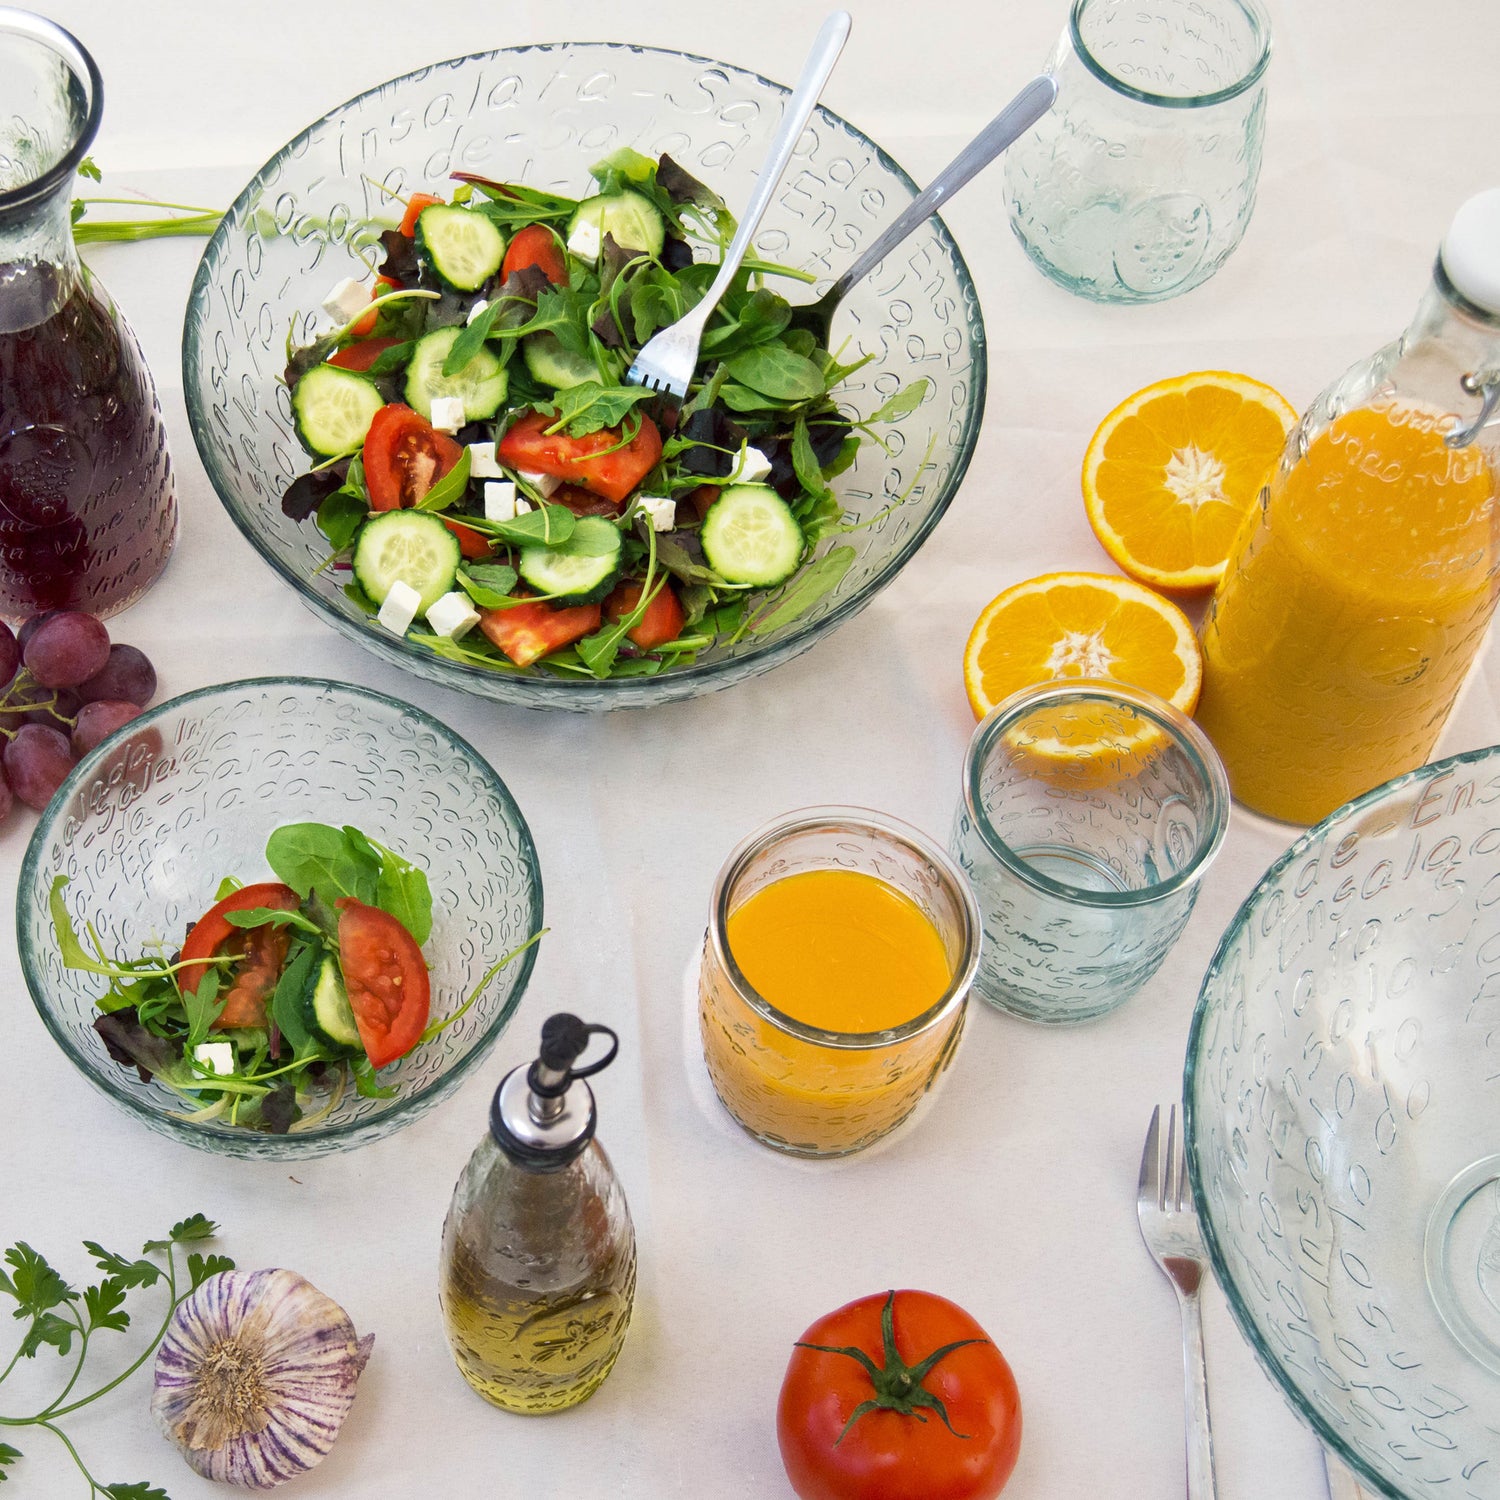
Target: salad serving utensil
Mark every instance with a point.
(1169, 1226)
(666, 361)
(1023, 111)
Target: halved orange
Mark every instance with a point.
(1081, 625)
(1171, 471)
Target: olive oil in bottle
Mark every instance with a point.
(538, 1258)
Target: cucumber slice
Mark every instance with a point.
(481, 384)
(333, 409)
(326, 1011)
(750, 536)
(409, 546)
(631, 219)
(464, 248)
(580, 571)
(552, 364)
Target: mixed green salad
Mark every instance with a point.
(283, 989)
(502, 497)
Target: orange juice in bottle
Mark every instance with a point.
(1361, 586)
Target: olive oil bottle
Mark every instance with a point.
(538, 1258)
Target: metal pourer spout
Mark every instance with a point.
(533, 1117)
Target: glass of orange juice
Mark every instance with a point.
(841, 945)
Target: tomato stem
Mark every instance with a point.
(898, 1385)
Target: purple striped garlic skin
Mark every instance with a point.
(255, 1376)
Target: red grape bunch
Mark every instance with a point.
(66, 688)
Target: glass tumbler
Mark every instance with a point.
(1090, 811)
(1141, 180)
(799, 1088)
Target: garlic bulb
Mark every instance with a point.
(255, 1376)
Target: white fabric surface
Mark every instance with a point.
(1014, 1195)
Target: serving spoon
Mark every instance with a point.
(1013, 121)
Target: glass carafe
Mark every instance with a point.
(1362, 583)
(88, 515)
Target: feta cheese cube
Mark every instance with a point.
(453, 616)
(217, 1057)
(585, 241)
(499, 500)
(751, 467)
(482, 463)
(346, 300)
(477, 310)
(447, 413)
(400, 608)
(523, 507)
(543, 484)
(661, 512)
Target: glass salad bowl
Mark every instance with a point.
(1343, 1128)
(543, 115)
(147, 825)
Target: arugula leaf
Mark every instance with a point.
(393, 360)
(449, 488)
(564, 312)
(203, 1008)
(104, 1305)
(286, 1000)
(591, 407)
(805, 462)
(488, 584)
(129, 1273)
(776, 371)
(805, 589)
(69, 949)
(261, 916)
(403, 891)
(907, 399)
(471, 340)
(368, 1086)
(340, 516)
(308, 856)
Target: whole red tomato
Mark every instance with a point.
(899, 1396)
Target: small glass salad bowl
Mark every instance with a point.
(1343, 1135)
(150, 823)
(542, 116)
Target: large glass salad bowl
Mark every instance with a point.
(148, 825)
(1343, 1128)
(543, 116)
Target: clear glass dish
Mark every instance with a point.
(150, 822)
(1343, 1129)
(544, 115)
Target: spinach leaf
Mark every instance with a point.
(547, 526)
(313, 855)
(452, 486)
(340, 516)
(286, 1003)
(489, 585)
(591, 407)
(393, 360)
(471, 340)
(402, 890)
(805, 462)
(907, 399)
(776, 371)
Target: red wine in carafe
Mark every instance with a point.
(88, 514)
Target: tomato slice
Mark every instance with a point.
(263, 948)
(366, 325)
(362, 355)
(662, 621)
(582, 503)
(596, 462)
(536, 245)
(414, 206)
(473, 544)
(386, 979)
(405, 455)
(528, 632)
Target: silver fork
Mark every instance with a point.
(666, 361)
(1169, 1226)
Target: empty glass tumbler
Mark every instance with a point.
(1140, 182)
(1090, 811)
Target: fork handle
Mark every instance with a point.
(825, 51)
(1201, 1484)
(1011, 123)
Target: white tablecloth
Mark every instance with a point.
(1014, 1196)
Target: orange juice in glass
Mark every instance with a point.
(840, 950)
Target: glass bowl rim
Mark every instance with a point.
(1185, 733)
(864, 820)
(80, 61)
(1316, 835)
(627, 691)
(207, 1134)
(1260, 29)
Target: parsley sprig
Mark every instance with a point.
(59, 1316)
